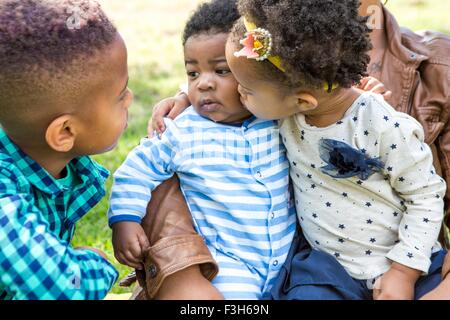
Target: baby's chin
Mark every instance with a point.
(211, 115)
(215, 117)
(222, 117)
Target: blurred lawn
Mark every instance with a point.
(152, 31)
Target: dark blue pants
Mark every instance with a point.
(309, 274)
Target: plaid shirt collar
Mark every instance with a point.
(88, 170)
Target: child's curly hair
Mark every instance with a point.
(216, 16)
(319, 41)
(46, 50)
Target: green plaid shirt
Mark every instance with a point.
(37, 222)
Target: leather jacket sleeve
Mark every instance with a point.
(416, 68)
(432, 105)
(174, 243)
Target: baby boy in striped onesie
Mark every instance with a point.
(232, 167)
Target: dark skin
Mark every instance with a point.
(399, 273)
(321, 109)
(92, 124)
(101, 107)
(213, 92)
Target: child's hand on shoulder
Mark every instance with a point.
(129, 242)
(398, 283)
(171, 108)
(374, 85)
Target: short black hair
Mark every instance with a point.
(216, 16)
(45, 52)
(319, 41)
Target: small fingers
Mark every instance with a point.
(134, 251)
(161, 127)
(176, 110)
(120, 257)
(159, 112)
(388, 95)
(154, 128)
(163, 108)
(143, 240)
(150, 130)
(371, 83)
(363, 82)
(133, 259)
(379, 88)
(129, 257)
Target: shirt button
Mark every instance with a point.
(153, 270)
(272, 215)
(275, 263)
(259, 174)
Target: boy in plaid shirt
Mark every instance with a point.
(63, 96)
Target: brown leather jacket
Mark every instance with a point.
(416, 68)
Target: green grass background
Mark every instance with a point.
(152, 30)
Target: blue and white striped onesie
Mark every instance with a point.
(235, 180)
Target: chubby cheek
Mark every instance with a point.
(255, 111)
(259, 110)
(121, 122)
(114, 128)
(229, 91)
(249, 104)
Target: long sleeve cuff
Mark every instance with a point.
(410, 257)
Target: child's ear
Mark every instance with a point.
(305, 102)
(60, 134)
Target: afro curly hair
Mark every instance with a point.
(47, 50)
(319, 41)
(216, 16)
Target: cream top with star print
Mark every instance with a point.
(393, 215)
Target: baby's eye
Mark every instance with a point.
(223, 72)
(192, 74)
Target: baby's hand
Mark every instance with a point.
(396, 284)
(446, 266)
(129, 242)
(374, 85)
(170, 107)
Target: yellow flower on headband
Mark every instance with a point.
(258, 45)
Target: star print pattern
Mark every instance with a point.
(395, 214)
